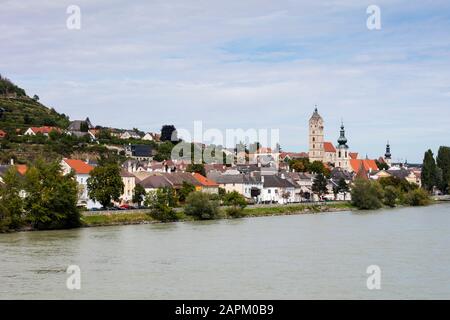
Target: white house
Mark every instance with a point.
(129, 135)
(82, 170)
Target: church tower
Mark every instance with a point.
(387, 155)
(316, 149)
(342, 154)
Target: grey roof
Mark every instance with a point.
(401, 173)
(228, 178)
(338, 174)
(76, 125)
(275, 181)
(156, 181)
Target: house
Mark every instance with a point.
(139, 151)
(129, 183)
(2, 134)
(82, 171)
(150, 136)
(271, 189)
(81, 134)
(229, 182)
(368, 165)
(206, 185)
(80, 125)
(129, 135)
(286, 156)
(154, 182)
(32, 131)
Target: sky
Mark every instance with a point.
(241, 64)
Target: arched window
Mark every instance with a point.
(339, 156)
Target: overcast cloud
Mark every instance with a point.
(241, 64)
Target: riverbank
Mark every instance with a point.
(113, 218)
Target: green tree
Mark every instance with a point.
(236, 203)
(139, 194)
(51, 197)
(320, 185)
(367, 194)
(381, 165)
(105, 184)
(443, 162)
(11, 203)
(161, 205)
(391, 194)
(417, 197)
(343, 187)
(185, 190)
(200, 206)
(169, 133)
(429, 171)
(198, 168)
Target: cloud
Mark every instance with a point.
(241, 64)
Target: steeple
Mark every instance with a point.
(388, 155)
(342, 141)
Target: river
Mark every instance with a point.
(322, 256)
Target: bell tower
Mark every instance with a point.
(316, 150)
(343, 156)
(387, 155)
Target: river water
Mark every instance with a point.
(323, 256)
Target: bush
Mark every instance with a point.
(366, 194)
(236, 203)
(160, 203)
(391, 194)
(200, 206)
(417, 197)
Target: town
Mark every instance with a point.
(122, 169)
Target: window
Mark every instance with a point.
(269, 191)
(314, 139)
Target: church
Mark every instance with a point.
(338, 156)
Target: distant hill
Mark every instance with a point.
(18, 111)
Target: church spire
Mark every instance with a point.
(388, 155)
(342, 141)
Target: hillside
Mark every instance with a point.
(18, 111)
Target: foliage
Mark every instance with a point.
(303, 165)
(199, 205)
(185, 190)
(139, 194)
(161, 204)
(51, 197)
(443, 162)
(105, 183)
(164, 151)
(367, 194)
(11, 203)
(198, 168)
(320, 185)
(381, 165)
(417, 197)
(429, 171)
(236, 203)
(342, 186)
(7, 87)
(168, 133)
(391, 195)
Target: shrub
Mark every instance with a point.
(236, 203)
(367, 194)
(391, 194)
(200, 206)
(417, 197)
(160, 205)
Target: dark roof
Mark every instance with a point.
(141, 150)
(401, 173)
(156, 181)
(273, 181)
(338, 174)
(229, 178)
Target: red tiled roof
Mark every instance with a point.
(353, 155)
(293, 155)
(45, 129)
(2, 133)
(79, 166)
(328, 147)
(22, 168)
(365, 163)
(205, 182)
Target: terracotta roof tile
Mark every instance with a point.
(328, 147)
(79, 166)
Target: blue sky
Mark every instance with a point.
(241, 64)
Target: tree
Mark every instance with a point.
(11, 203)
(51, 197)
(199, 205)
(160, 203)
(185, 190)
(429, 171)
(417, 197)
(319, 168)
(367, 194)
(320, 185)
(443, 162)
(343, 187)
(236, 203)
(197, 168)
(381, 165)
(84, 127)
(105, 184)
(36, 97)
(391, 194)
(139, 194)
(169, 133)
